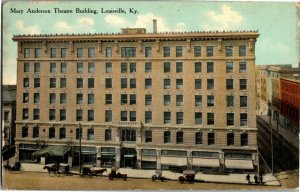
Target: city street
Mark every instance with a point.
(42, 181)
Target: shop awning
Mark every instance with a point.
(238, 164)
(149, 158)
(178, 161)
(54, 150)
(206, 162)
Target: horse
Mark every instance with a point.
(96, 172)
(53, 169)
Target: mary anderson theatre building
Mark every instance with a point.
(170, 101)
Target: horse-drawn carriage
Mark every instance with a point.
(91, 171)
(58, 169)
(188, 176)
(17, 167)
(115, 174)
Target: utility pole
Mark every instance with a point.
(270, 124)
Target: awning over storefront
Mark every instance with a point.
(206, 162)
(56, 150)
(148, 158)
(178, 161)
(238, 164)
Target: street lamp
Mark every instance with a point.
(79, 126)
(270, 124)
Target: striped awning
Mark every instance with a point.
(206, 162)
(238, 164)
(178, 161)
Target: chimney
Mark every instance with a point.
(154, 26)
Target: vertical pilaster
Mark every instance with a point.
(118, 156)
(158, 159)
(222, 162)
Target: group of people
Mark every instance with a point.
(256, 181)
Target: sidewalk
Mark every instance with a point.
(290, 137)
(268, 179)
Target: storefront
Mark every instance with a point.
(149, 159)
(88, 155)
(239, 163)
(173, 160)
(25, 152)
(128, 158)
(108, 156)
(206, 162)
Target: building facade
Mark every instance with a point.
(142, 100)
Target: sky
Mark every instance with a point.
(277, 23)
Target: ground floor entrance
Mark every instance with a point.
(128, 158)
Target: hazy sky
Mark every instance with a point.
(277, 23)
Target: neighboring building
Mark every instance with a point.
(8, 114)
(143, 100)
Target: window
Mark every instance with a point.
(230, 139)
(63, 52)
(79, 52)
(167, 137)
(132, 99)
(179, 50)
(179, 117)
(179, 67)
(52, 82)
(166, 51)
(108, 83)
(148, 83)
(79, 82)
(229, 84)
(36, 114)
(210, 118)
(132, 67)
(128, 52)
(25, 114)
(51, 132)
(79, 98)
(52, 67)
(243, 67)
(210, 83)
(123, 83)
(51, 114)
(26, 82)
(148, 99)
(197, 51)
(25, 97)
(244, 139)
(210, 100)
(198, 138)
(243, 119)
(35, 132)
(37, 67)
(36, 97)
(148, 67)
(108, 52)
(198, 100)
(108, 99)
(132, 83)
(148, 51)
(108, 115)
(209, 51)
(167, 117)
(108, 67)
(242, 50)
(229, 51)
(179, 100)
(243, 101)
(63, 67)
(24, 132)
(63, 82)
(230, 100)
(26, 52)
(230, 119)
(132, 115)
(63, 98)
(36, 82)
(148, 136)
(6, 114)
(79, 115)
(148, 116)
(123, 115)
(107, 134)
(123, 67)
(211, 138)
(91, 83)
(229, 67)
(79, 67)
(243, 84)
(37, 52)
(91, 67)
(179, 137)
(167, 67)
(198, 84)
(62, 133)
(52, 52)
(167, 100)
(198, 67)
(91, 52)
(90, 98)
(167, 83)
(179, 83)
(90, 115)
(128, 135)
(198, 118)
(210, 67)
(62, 114)
(78, 133)
(52, 98)
(26, 67)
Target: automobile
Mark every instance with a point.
(158, 176)
(115, 174)
(188, 176)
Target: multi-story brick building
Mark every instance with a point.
(142, 100)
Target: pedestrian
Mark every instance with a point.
(248, 178)
(261, 179)
(255, 179)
